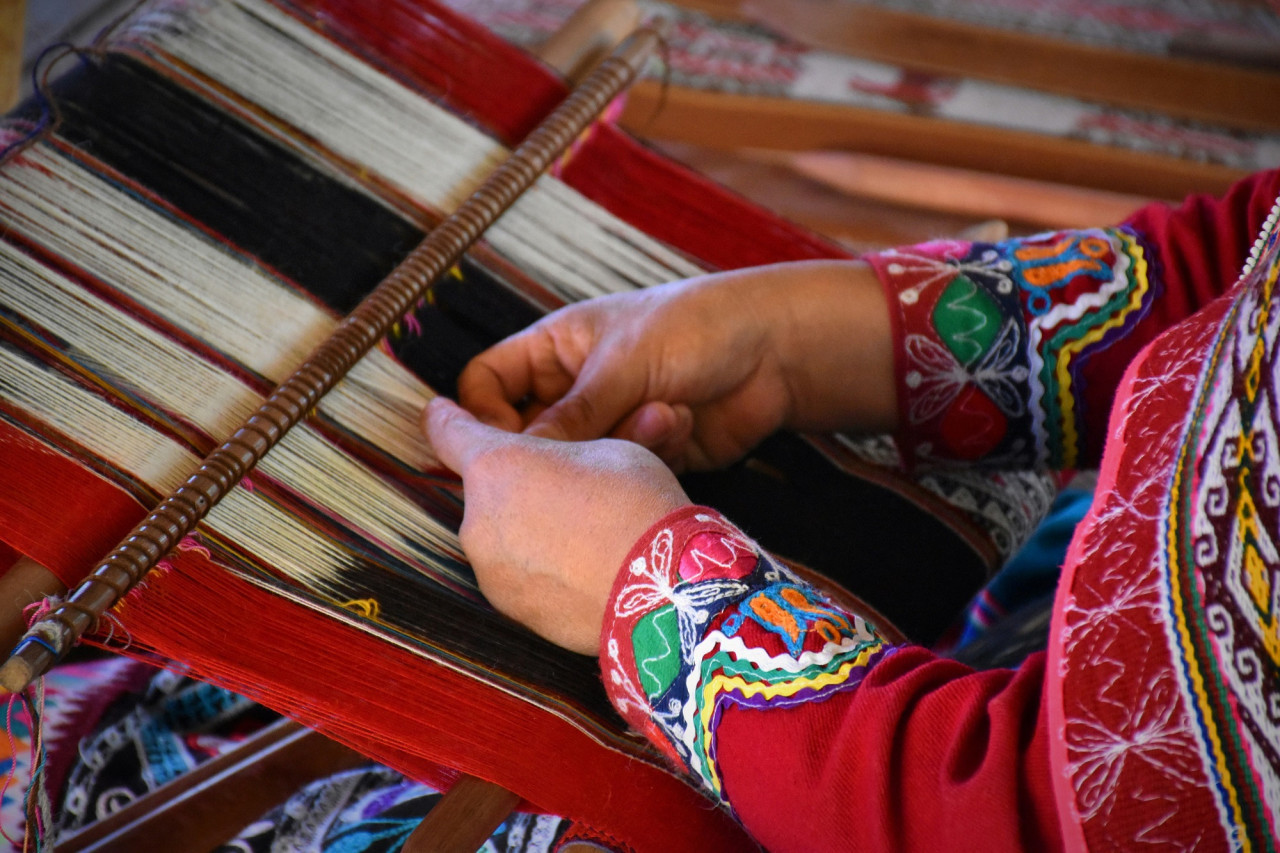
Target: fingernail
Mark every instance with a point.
(544, 430)
(441, 409)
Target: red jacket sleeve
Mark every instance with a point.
(804, 721)
(1010, 353)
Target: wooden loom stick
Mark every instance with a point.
(719, 120)
(463, 819)
(1208, 91)
(293, 399)
(206, 807)
(960, 191)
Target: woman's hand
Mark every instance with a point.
(699, 371)
(548, 523)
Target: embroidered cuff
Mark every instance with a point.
(991, 340)
(702, 619)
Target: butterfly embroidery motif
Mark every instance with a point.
(937, 378)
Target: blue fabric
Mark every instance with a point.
(1031, 575)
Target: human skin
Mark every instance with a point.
(692, 375)
(700, 371)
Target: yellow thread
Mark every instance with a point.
(721, 683)
(366, 607)
(1062, 370)
(1201, 694)
(769, 611)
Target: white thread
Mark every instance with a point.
(563, 241)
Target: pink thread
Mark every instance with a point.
(613, 113)
(37, 610)
(411, 322)
(191, 543)
(609, 115)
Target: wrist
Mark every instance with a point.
(702, 619)
(836, 349)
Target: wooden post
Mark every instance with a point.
(463, 819)
(209, 805)
(12, 21)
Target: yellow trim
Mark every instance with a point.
(1180, 624)
(1066, 400)
(736, 684)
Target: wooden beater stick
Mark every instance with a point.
(49, 638)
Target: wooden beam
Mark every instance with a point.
(12, 21)
(23, 583)
(1198, 89)
(208, 806)
(858, 222)
(960, 191)
(717, 120)
(463, 819)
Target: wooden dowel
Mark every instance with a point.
(208, 806)
(587, 37)
(24, 583)
(960, 191)
(716, 120)
(463, 819)
(12, 21)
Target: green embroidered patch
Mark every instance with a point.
(967, 320)
(656, 643)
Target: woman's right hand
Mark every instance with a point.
(699, 371)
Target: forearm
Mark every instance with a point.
(836, 345)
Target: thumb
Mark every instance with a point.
(456, 435)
